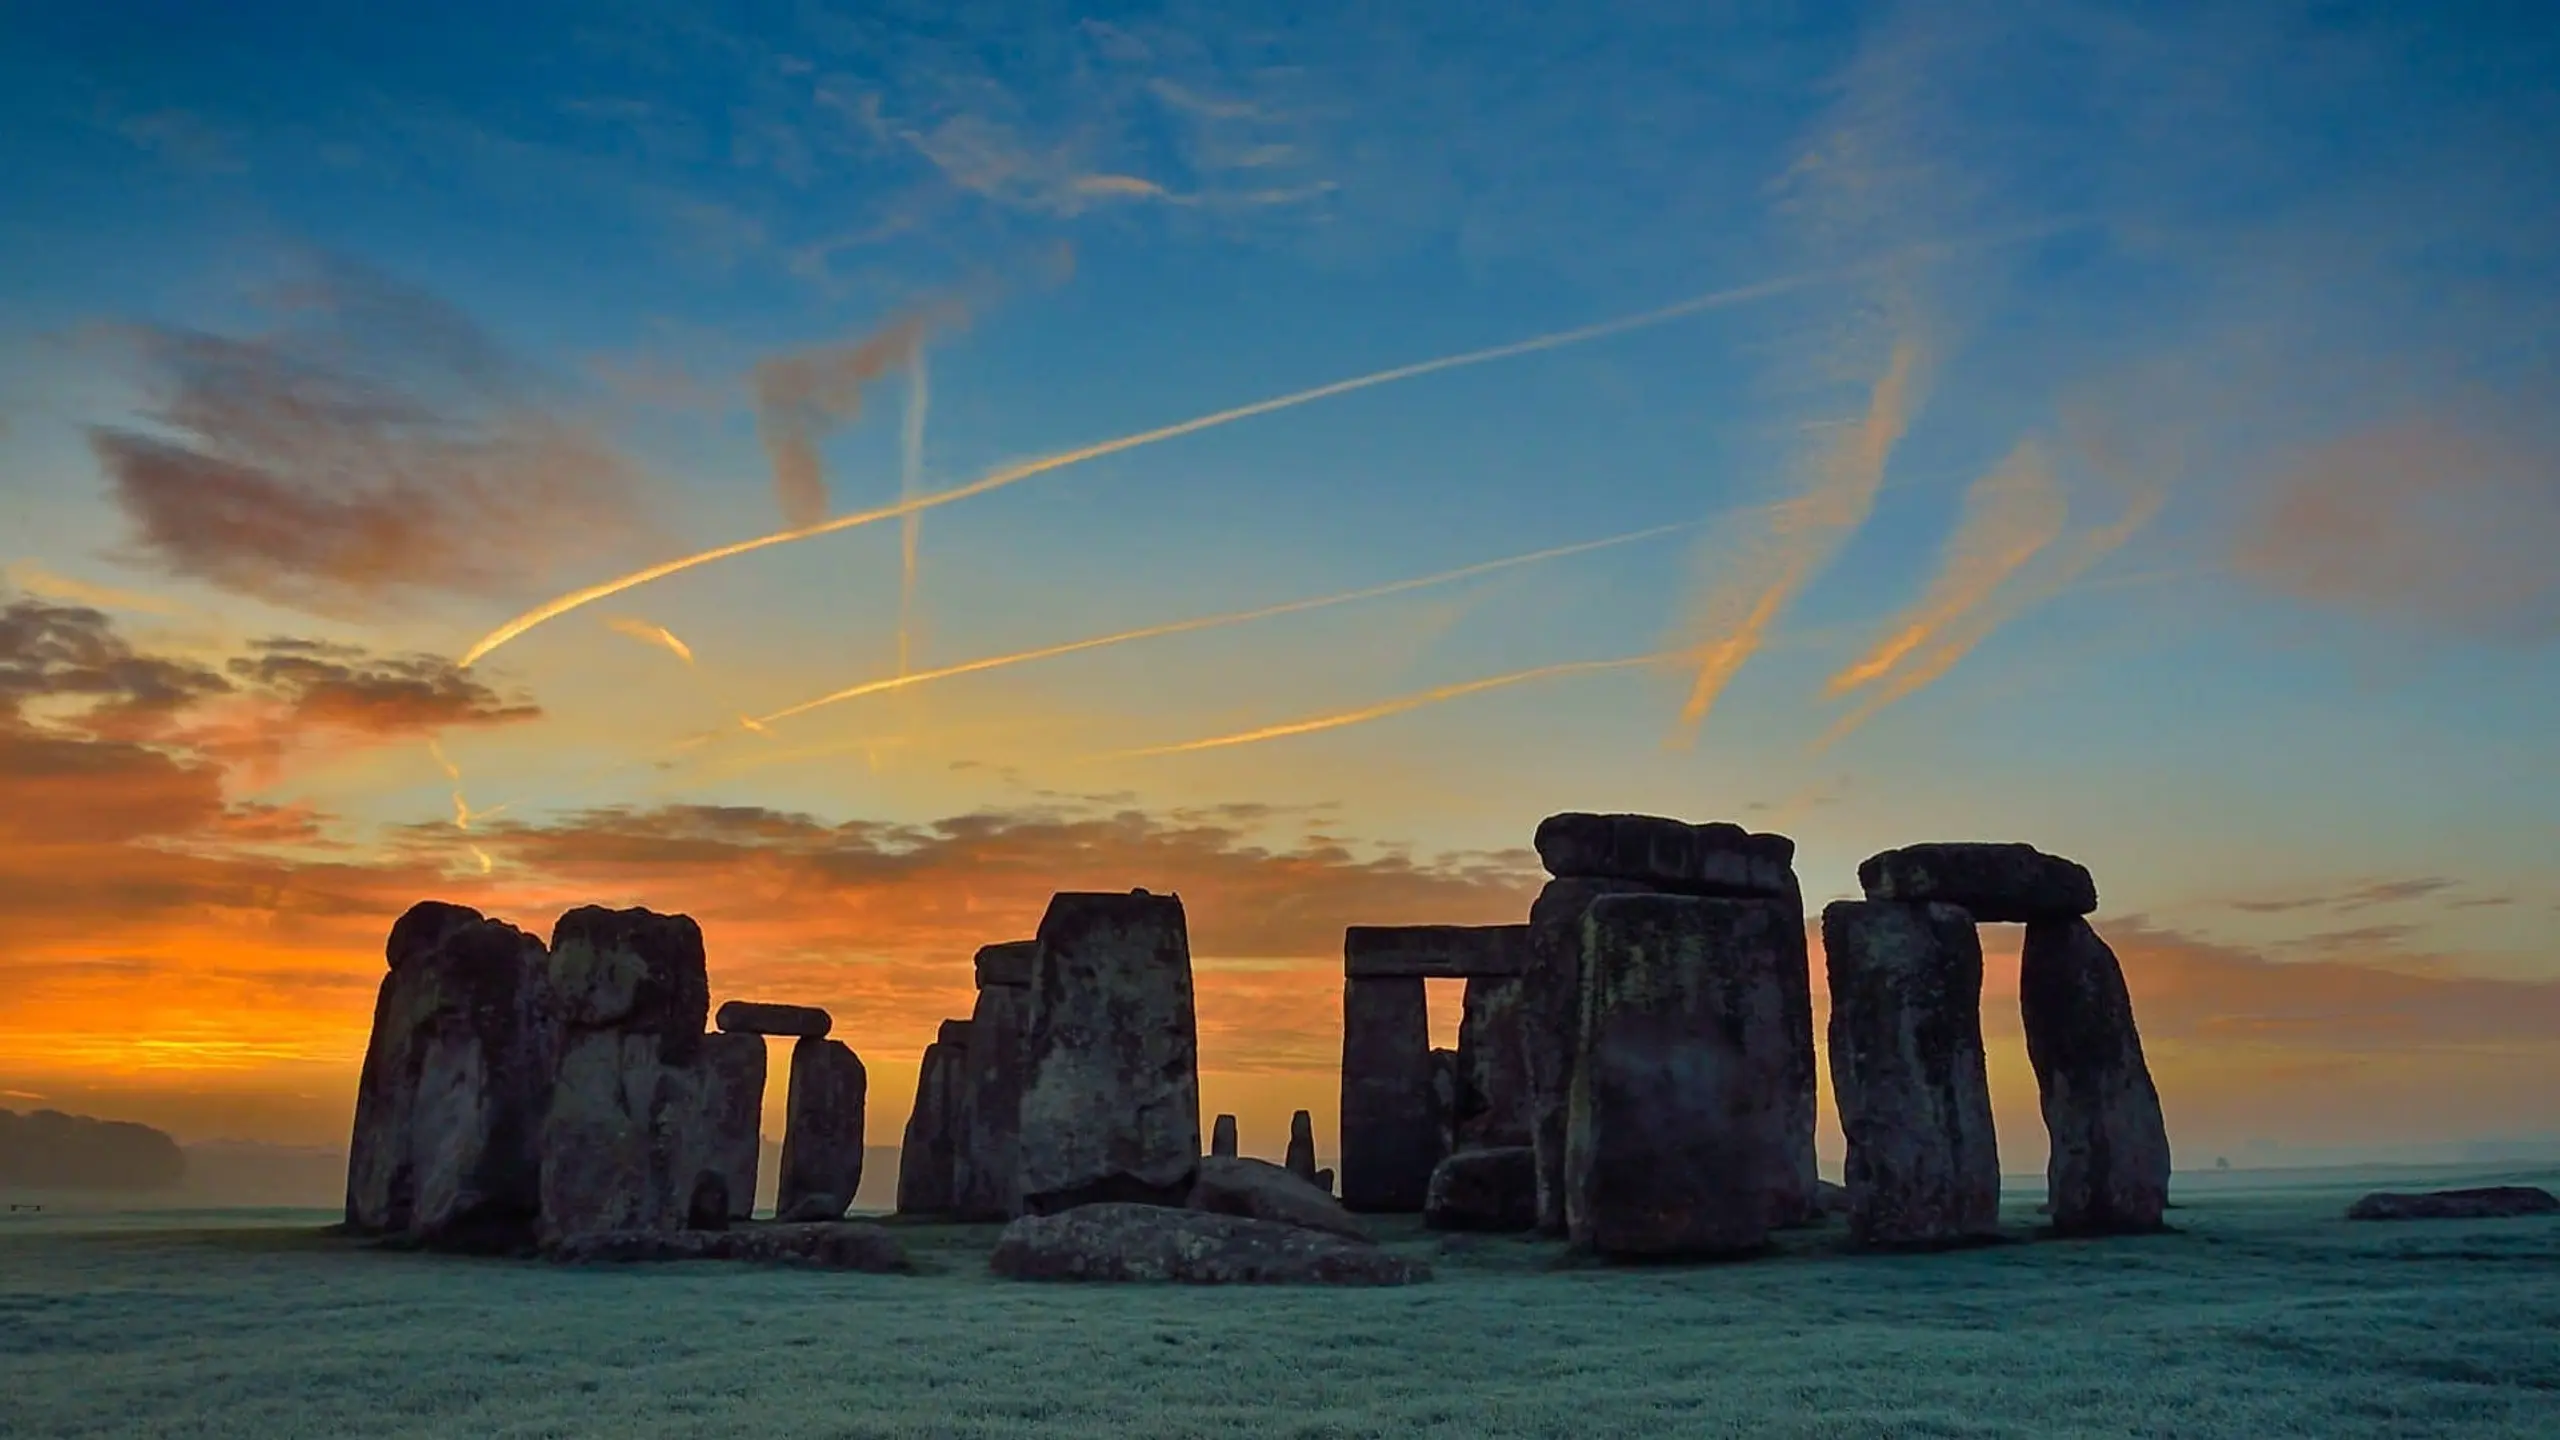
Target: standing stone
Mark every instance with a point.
(1390, 1120)
(1111, 1090)
(1907, 1069)
(619, 1144)
(1677, 1138)
(1302, 1146)
(1999, 884)
(928, 1157)
(1801, 1202)
(2109, 1169)
(455, 1085)
(730, 1081)
(1222, 1137)
(822, 1131)
(1551, 1018)
(986, 1158)
(1444, 1100)
(1493, 1065)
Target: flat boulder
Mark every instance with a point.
(838, 1245)
(1714, 859)
(754, 1017)
(1433, 952)
(1132, 1242)
(1998, 884)
(1260, 1190)
(1492, 1190)
(1111, 1079)
(2486, 1202)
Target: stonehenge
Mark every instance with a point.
(2109, 1168)
(822, 1131)
(928, 1160)
(989, 1107)
(1396, 1109)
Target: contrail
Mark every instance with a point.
(660, 635)
(451, 770)
(801, 396)
(910, 482)
(1399, 705)
(1236, 617)
(998, 479)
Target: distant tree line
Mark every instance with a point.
(51, 1150)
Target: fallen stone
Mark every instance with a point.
(1007, 963)
(1677, 1140)
(1714, 859)
(986, 1154)
(1999, 884)
(1302, 1147)
(1830, 1199)
(822, 1127)
(1434, 952)
(1491, 1190)
(928, 1156)
(1222, 1136)
(751, 1017)
(1908, 1071)
(1391, 1134)
(2487, 1202)
(456, 1084)
(1492, 1109)
(819, 1208)
(838, 1245)
(1111, 1091)
(1551, 1022)
(2109, 1168)
(1134, 1242)
(621, 1145)
(729, 1078)
(1260, 1190)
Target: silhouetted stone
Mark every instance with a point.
(456, 1082)
(1999, 884)
(1302, 1147)
(815, 1208)
(1444, 1102)
(1324, 1180)
(928, 1157)
(1222, 1136)
(1551, 1024)
(621, 1146)
(1715, 859)
(1830, 1199)
(1677, 1142)
(1494, 1189)
(1434, 952)
(730, 1079)
(1111, 1091)
(2487, 1202)
(1493, 1065)
(822, 1127)
(1260, 1190)
(2109, 1167)
(1132, 1242)
(840, 1245)
(1793, 1200)
(754, 1017)
(1908, 1072)
(1008, 963)
(1390, 1117)
(986, 1156)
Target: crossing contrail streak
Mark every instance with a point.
(1403, 703)
(910, 481)
(1235, 617)
(648, 634)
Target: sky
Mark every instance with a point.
(1276, 459)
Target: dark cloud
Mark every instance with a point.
(376, 442)
(2357, 896)
(344, 687)
(49, 650)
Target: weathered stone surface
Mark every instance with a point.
(928, 1156)
(730, 1084)
(986, 1158)
(1324, 1180)
(2109, 1171)
(755, 1017)
(1830, 1199)
(455, 1085)
(1551, 1022)
(1998, 884)
(1716, 859)
(1492, 1109)
(822, 1126)
(1908, 1072)
(1152, 1243)
(952, 1032)
(2486, 1202)
(1111, 1090)
(1222, 1136)
(1302, 1147)
(814, 1208)
(1260, 1190)
(1677, 1142)
(838, 1245)
(1007, 963)
(1390, 1117)
(620, 1145)
(1444, 1100)
(1494, 1189)
(1434, 952)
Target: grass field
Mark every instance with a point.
(2267, 1316)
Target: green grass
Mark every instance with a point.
(2268, 1316)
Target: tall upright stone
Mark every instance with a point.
(2109, 1168)
(1111, 1090)
(928, 1158)
(1302, 1146)
(1492, 1109)
(985, 1167)
(455, 1085)
(1390, 1117)
(1551, 1020)
(1222, 1137)
(1908, 1072)
(1801, 1202)
(822, 1129)
(729, 1075)
(1677, 1142)
(619, 1144)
